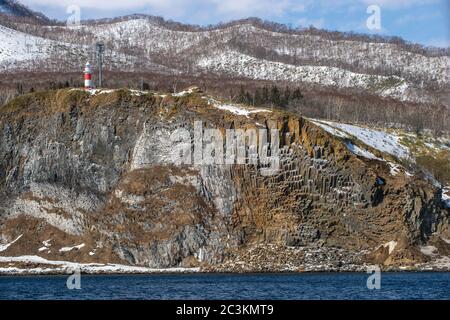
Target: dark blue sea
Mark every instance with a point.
(314, 286)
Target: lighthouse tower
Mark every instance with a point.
(88, 76)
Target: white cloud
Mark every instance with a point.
(226, 9)
(223, 8)
(232, 6)
(191, 11)
(106, 5)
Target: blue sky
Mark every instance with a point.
(420, 21)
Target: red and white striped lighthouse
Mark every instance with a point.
(88, 77)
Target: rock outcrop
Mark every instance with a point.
(94, 168)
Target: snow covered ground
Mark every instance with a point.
(3, 247)
(60, 267)
(94, 92)
(22, 51)
(236, 109)
(330, 129)
(240, 111)
(428, 250)
(237, 64)
(68, 249)
(361, 152)
(17, 47)
(377, 139)
(184, 92)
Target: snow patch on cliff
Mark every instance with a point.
(69, 267)
(428, 250)
(68, 249)
(184, 93)
(361, 152)
(237, 110)
(377, 139)
(3, 247)
(391, 245)
(330, 129)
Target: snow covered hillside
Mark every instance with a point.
(24, 52)
(377, 139)
(18, 47)
(368, 56)
(237, 50)
(236, 64)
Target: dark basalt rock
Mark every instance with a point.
(93, 169)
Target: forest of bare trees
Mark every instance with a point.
(31, 24)
(354, 107)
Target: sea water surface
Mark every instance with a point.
(314, 286)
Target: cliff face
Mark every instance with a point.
(85, 177)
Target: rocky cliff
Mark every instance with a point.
(85, 177)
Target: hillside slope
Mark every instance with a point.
(239, 50)
(86, 181)
(15, 9)
(24, 52)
